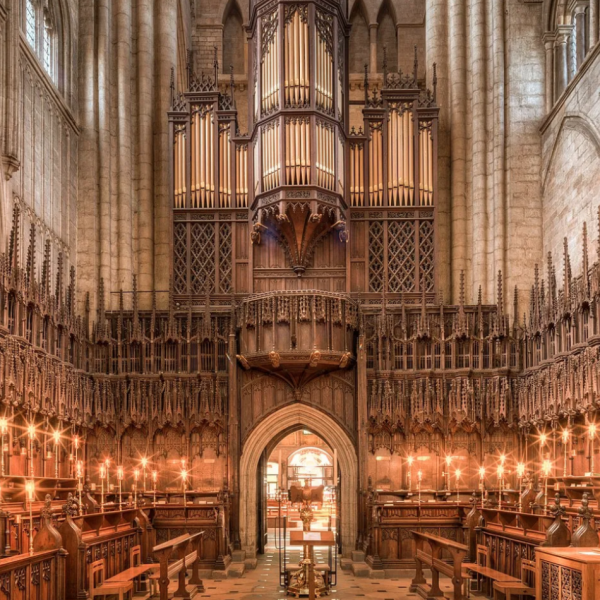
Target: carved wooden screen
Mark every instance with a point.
(393, 187)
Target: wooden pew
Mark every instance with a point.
(437, 566)
(178, 548)
(482, 568)
(519, 588)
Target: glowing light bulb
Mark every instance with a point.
(520, 469)
(76, 442)
(457, 473)
(565, 436)
(448, 460)
(546, 468)
(481, 472)
(102, 472)
(500, 471)
(136, 474)
(184, 474)
(56, 436)
(543, 438)
(410, 460)
(31, 431)
(144, 462)
(592, 430)
(120, 473)
(3, 425)
(420, 475)
(154, 476)
(30, 489)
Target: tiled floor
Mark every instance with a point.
(263, 583)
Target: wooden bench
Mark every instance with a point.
(481, 568)
(437, 565)
(518, 588)
(178, 548)
(101, 588)
(136, 568)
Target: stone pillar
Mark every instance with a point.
(363, 437)
(436, 43)
(373, 48)
(593, 22)
(480, 219)
(561, 76)
(145, 233)
(458, 83)
(87, 204)
(549, 41)
(233, 437)
(580, 41)
(124, 167)
(165, 59)
(107, 243)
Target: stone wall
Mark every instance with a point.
(571, 164)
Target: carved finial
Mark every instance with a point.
(516, 310)
(415, 66)
(586, 266)
(500, 296)
(46, 271)
(231, 86)
(189, 68)
(13, 248)
(59, 279)
(31, 255)
(216, 67)
(366, 83)
(479, 296)
(385, 65)
(71, 508)
(71, 292)
(101, 306)
(47, 509)
(172, 86)
(461, 295)
(434, 82)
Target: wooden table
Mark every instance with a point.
(310, 539)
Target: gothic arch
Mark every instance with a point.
(298, 415)
(387, 36)
(359, 37)
(233, 39)
(575, 122)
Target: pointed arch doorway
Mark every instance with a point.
(272, 426)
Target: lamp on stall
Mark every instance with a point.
(457, 474)
(136, 476)
(481, 482)
(520, 475)
(56, 437)
(120, 478)
(144, 463)
(102, 478)
(31, 436)
(30, 491)
(3, 432)
(154, 480)
(500, 475)
(546, 470)
(184, 475)
(448, 461)
(592, 435)
(410, 460)
(565, 442)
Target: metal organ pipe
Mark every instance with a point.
(270, 64)
(179, 166)
(400, 157)
(296, 76)
(241, 176)
(425, 166)
(225, 166)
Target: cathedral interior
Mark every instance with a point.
(299, 298)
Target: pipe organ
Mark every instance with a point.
(301, 171)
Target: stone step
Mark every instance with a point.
(346, 564)
(238, 556)
(361, 569)
(250, 563)
(236, 570)
(358, 556)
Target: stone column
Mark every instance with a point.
(561, 76)
(165, 59)
(549, 41)
(373, 48)
(458, 81)
(103, 44)
(500, 201)
(87, 204)
(124, 215)
(480, 219)
(593, 22)
(580, 42)
(145, 233)
(436, 43)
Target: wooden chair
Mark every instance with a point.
(100, 589)
(519, 588)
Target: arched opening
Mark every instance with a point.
(254, 468)
(233, 41)
(386, 37)
(359, 40)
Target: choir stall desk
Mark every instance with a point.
(573, 573)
